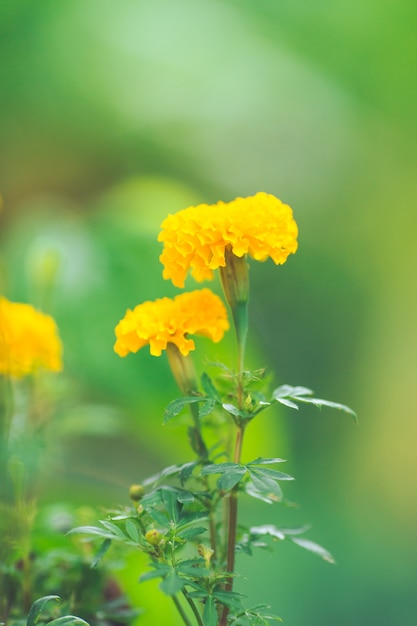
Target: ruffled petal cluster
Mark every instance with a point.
(196, 238)
(171, 320)
(29, 340)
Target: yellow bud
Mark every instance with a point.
(206, 553)
(136, 492)
(154, 537)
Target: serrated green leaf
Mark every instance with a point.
(233, 410)
(218, 468)
(230, 599)
(283, 391)
(319, 402)
(231, 478)
(176, 406)
(93, 530)
(252, 491)
(210, 617)
(101, 552)
(209, 388)
(268, 529)
(37, 608)
(189, 533)
(172, 584)
(311, 546)
(132, 530)
(206, 407)
(117, 532)
(66, 620)
(288, 403)
(158, 573)
(273, 474)
(169, 498)
(266, 461)
(186, 472)
(266, 486)
(185, 497)
(159, 518)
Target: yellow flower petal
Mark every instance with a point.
(28, 340)
(169, 320)
(195, 238)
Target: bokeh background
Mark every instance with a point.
(114, 114)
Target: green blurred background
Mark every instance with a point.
(114, 114)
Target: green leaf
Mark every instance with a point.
(67, 619)
(101, 552)
(209, 388)
(206, 407)
(265, 461)
(93, 530)
(273, 474)
(318, 402)
(266, 486)
(233, 410)
(231, 478)
(252, 491)
(172, 584)
(159, 572)
(210, 617)
(37, 608)
(176, 406)
(288, 395)
(117, 532)
(218, 468)
(287, 403)
(288, 390)
(189, 533)
(230, 599)
(170, 501)
(313, 547)
(267, 529)
(186, 471)
(132, 530)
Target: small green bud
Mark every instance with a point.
(136, 492)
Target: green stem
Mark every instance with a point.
(181, 611)
(232, 524)
(193, 607)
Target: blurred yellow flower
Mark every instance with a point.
(196, 238)
(171, 320)
(29, 340)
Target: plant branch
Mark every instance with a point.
(193, 607)
(181, 611)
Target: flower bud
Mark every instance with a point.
(154, 537)
(136, 492)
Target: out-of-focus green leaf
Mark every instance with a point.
(132, 530)
(39, 606)
(66, 620)
(210, 616)
(209, 388)
(172, 584)
(101, 552)
(231, 478)
(313, 547)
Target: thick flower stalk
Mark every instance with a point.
(171, 321)
(198, 237)
(29, 340)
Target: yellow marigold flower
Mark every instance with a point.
(171, 320)
(196, 238)
(28, 340)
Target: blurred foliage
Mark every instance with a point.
(110, 117)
